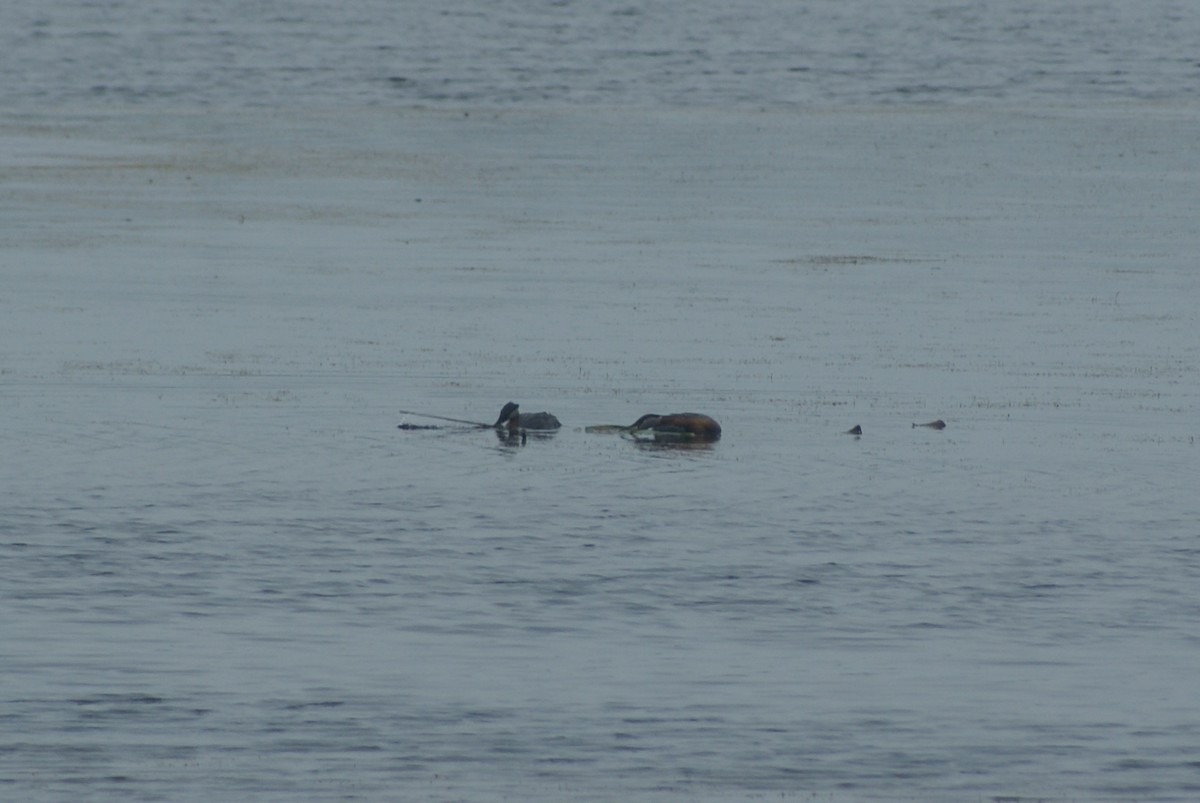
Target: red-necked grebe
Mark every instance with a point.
(678, 425)
(512, 418)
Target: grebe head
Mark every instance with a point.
(648, 421)
(508, 415)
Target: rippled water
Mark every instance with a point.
(228, 575)
(553, 52)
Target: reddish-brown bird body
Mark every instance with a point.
(680, 425)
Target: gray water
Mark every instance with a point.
(556, 52)
(237, 242)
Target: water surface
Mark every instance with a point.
(238, 241)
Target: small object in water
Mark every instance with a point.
(855, 430)
(939, 424)
(512, 418)
(693, 426)
(417, 426)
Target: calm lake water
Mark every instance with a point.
(525, 53)
(237, 243)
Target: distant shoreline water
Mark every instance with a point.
(766, 53)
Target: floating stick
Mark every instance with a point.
(607, 428)
(444, 418)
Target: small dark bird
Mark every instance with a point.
(512, 418)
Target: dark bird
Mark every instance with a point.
(512, 418)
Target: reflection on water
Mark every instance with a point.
(672, 444)
(523, 436)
